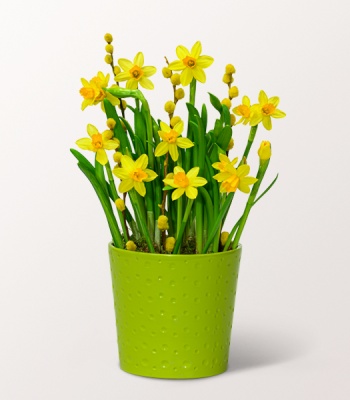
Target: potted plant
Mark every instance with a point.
(174, 269)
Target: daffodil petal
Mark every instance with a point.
(91, 130)
(164, 127)
(176, 65)
(191, 192)
(182, 52)
(125, 64)
(198, 181)
(141, 162)
(132, 84)
(126, 185)
(86, 103)
(266, 121)
(84, 143)
(161, 149)
(179, 127)
(275, 100)
(149, 71)
(121, 173)
(223, 158)
(177, 193)
(111, 144)
(151, 175)
(263, 99)
(204, 61)
(186, 76)
(178, 169)
(199, 74)
(174, 153)
(255, 119)
(140, 188)
(113, 100)
(243, 170)
(222, 176)
(84, 82)
(139, 59)
(146, 83)
(122, 76)
(196, 50)
(278, 114)
(101, 156)
(170, 182)
(243, 188)
(128, 163)
(192, 173)
(246, 101)
(249, 180)
(184, 143)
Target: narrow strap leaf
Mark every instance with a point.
(266, 190)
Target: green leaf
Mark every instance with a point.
(82, 160)
(217, 128)
(215, 102)
(168, 188)
(225, 115)
(140, 127)
(266, 190)
(204, 117)
(224, 137)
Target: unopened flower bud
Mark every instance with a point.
(230, 144)
(116, 70)
(227, 78)
(170, 244)
(108, 59)
(163, 223)
(232, 119)
(169, 107)
(109, 48)
(174, 121)
(230, 69)
(233, 92)
(264, 151)
(108, 38)
(130, 245)
(117, 156)
(108, 134)
(179, 93)
(223, 238)
(111, 123)
(226, 102)
(175, 79)
(166, 72)
(120, 204)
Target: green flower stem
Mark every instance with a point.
(106, 205)
(260, 175)
(208, 205)
(199, 223)
(230, 236)
(115, 197)
(136, 205)
(218, 221)
(193, 91)
(250, 141)
(183, 225)
(179, 216)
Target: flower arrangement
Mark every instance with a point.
(174, 191)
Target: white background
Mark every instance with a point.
(291, 331)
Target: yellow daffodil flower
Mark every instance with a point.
(185, 183)
(233, 179)
(244, 111)
(133, 174)
(191, 64)
(266, 109)
(135, 73)
(224, 160)
(171, 140)
(98, 143)
(93, 92)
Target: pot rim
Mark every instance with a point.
(140, 253)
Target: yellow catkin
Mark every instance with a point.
(233, 92)
(108, 38)
(227, 78)
(175, 79)
(170, 244)
(110, 123)
(130, 245)
(232, 119)
(169, 107)
(166, 72)
(230, 69)
(223, 238)
(226, 102)
(109, 48)
(108, 134)
(116, 70)
(120, 204)
(124, 104)
(108, 59)
(179, 94)
(230, 144)
(174, 121)
(117, 156)
(163, 223)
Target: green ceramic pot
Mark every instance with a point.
(174, 312)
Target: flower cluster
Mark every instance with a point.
(168, 197)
